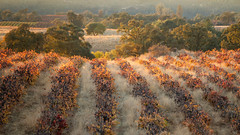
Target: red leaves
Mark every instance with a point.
(106, 101)
(61, 99)
(198, 120)
(150, 119)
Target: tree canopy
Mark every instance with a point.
(95, 28)
(22, 39)
(76, 19)
(67, 40)
(194, 37)
(231, 37)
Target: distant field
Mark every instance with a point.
(32, 24)
(220, 28)
(105, 42)
(5, 29)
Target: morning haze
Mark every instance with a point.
(191, 7)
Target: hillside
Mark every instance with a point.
(181, 93)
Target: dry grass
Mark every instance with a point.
(103, 43)
(85, 115)
(220, 28)
(24, 117)
(169, 109)
(158, 50)
(129, 106)
(218, 124)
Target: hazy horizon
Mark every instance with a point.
(190, 7)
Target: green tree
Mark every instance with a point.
(179, 12)
(129, 49)
(147, 18)
(169, 24)
(154, 35)
(75, 19)
(163, 31)
(195, 37)
(95, 28)
(21, 15)
(136, 38)
(7, 15)
(114, 20)
(231, 37)
(22, 39)
(67, 40)
(227, 18)
(132, 32)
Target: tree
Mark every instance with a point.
(231, 37)
(179, 12)
(21, 15)
(161, 10)
(114, 20)
(129, 49)
(67, 40)
(95, 28)
(134, 39)
(169, 24)
(100, 13)
(133, 32)
(227, 18)
(137, 38)
(75, 19)
(22, 39)
(154, 35)
(198, 18)
(6, 15)
(195, 37)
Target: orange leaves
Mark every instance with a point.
(5, 53)
(150, 119)
(198, 119)
(106, 102)
(61, 99)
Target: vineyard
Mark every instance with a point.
(31, 24)
(182, 93)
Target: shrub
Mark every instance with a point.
(95, 28)
(158, 50)
(98, 54)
